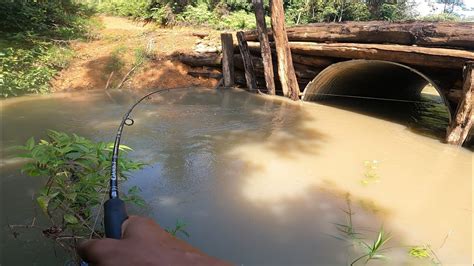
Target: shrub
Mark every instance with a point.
(239, 20)
(29, 70)
(77, 173)
(442, 17)
(33, 47)
(198, 15)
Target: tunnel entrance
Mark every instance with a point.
(385, 90)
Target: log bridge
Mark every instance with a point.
(367, 59)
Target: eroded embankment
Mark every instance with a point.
(132, 55)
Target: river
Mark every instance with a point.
(262, 180)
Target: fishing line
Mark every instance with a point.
(372, 98)
(114, 208)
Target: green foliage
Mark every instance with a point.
(238, 20)
(374, 250)
(29, 69)
(441, 17)
(424, 252)
(60, 19)
(77, 172)
(34, 46)
(180, 227)
(419, 252)
(368, 250)
(370, 173)
(198, 15)
(135, 9)
(237, 14)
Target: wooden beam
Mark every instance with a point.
(197, 60)
(461, 125)
(301, 71)
(413, 55)
(429, 34)
(286, 71)
(227, 59)
(248, 65)
(264, 46)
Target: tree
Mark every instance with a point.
(449, 5)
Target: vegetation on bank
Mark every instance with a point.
(76, 172)
(35, 42)
(238, 14)
(36, 34)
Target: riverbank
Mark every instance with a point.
(132, 55)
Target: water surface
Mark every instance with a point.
(259, 180)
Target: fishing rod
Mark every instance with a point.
(114, 208)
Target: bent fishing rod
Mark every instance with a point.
(114, 208)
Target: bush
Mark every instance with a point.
(198, 15)
(33, 47)
(77, 173)
(441, 17)
(29, 69)
(49, 18)
(238, 20)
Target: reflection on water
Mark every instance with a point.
(259, 180)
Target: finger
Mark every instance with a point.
(136, 227)
(95, 250)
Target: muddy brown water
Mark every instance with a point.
(259, 180)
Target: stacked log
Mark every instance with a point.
(428, 34)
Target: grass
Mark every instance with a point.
(374, 251)
(180, 227)
(115, 62)
(368, 249)
(32, 53)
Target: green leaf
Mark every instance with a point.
(30, 143)
(71, 196)
(43, 202)
(70, 219)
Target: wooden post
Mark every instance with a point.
(264, 46)
(461, 125)
(286, 72)
(227, 59)
(248, 65)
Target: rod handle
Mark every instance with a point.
(114, 215)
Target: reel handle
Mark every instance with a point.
(114, 216)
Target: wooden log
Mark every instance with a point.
(198, 60)
(301, 71)
(227, 59)
(459, 129)
(432, 57)
(430, 34)
(286, 71)
(313, 61)
(247, 62)
(205, 74)
(264, 46)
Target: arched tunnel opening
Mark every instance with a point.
(385, 90)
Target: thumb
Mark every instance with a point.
(96, 250)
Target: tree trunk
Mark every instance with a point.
(197, 60)
(264, 46)
(430, 34)
(227, 59)
(286, 71)
(247, 62)
(461, 125)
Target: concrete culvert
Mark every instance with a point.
(371, 79)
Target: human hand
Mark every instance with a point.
(143, 242)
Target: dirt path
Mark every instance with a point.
(120, 45)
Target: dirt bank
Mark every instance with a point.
(121, 45)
